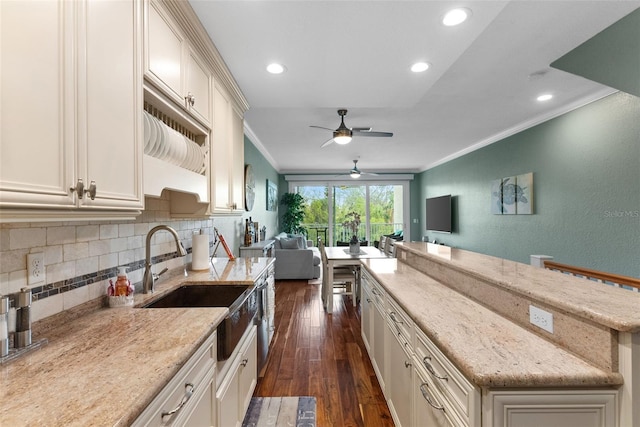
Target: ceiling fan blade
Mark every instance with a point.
(321, 127)
(361, 129)
(371, 133)
(370, 173)
(327, 143)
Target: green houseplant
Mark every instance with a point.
(292, 218)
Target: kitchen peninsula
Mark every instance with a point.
(461, 321)
(107, 366)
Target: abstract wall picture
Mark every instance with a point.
(524, 195)
(512, 195)
(272, 196)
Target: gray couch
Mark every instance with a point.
(296, 258)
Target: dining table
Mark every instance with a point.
(340, 256)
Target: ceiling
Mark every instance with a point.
(482, 84)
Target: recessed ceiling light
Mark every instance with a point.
(419, 67)
(276, 68)
(545, 97)
(456, 16)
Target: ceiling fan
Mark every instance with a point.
(355, 172)
(342, 135)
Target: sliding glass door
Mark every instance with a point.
(382, 209)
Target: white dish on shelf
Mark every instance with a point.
(153, 135)
(147, 135)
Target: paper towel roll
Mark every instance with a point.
(200, 252)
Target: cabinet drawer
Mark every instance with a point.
(182, 388)
(376, 291)
(455, 388)
(399, 320)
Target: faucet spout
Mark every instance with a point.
(148, 281)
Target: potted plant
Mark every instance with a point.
(352, 222)
(294, 215)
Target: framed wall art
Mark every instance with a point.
(272, 195)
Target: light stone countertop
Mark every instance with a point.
(105, 367)
(590, 300)
(490, 350)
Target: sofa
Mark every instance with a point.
(296, 257)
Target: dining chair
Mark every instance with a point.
(344, 278)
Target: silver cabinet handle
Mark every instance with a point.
(369, 300)
(407, 364)
(244, 362)
(190, 99)
(425, 394)
(393, 317)
(92, 190)
(431, 370)
(79, 189)
(188, 392)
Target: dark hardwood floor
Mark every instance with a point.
(321, 355)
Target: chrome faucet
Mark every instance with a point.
(149, 279)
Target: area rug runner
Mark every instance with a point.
(281, 411)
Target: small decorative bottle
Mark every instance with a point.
(122, 283)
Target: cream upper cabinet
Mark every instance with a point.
(227, 159)
(172, 65)
(71, 102)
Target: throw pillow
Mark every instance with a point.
(289, 243)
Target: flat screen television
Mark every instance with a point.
(439, 214)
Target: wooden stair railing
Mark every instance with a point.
(595, 275)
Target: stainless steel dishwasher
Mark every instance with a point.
(262, 322)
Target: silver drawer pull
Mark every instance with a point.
(369, 300)
(244, 362)
(393, 317)
(407, 364)
(188, 392)
(425, 394)
(431, 370)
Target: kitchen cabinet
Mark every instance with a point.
(429, 410)
(566, 408)
(188, 398)
(236, 388)
(173, 65)
(374, 330)
(71, 107)
(400, 365)
(227, 164)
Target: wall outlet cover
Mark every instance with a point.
(35, 268)
(541, 318)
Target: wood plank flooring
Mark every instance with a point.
(321, 355)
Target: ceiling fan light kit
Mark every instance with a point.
(343, 135)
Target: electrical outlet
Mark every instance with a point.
(540, 318)
(35, 268)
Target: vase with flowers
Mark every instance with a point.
(352, 222)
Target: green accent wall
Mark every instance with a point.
(262, 171)
(586, 192)
(611, 57)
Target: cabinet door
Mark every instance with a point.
(221, 152)
(399, 378)
(37, 157)
(248, 373)
(110, 135)
(429, 412)
(204, 412)
(237, 159)
(379, 350)
(367, 318)
(199, 88)
(164, 52)
(227, 398)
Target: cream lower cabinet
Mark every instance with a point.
(189, 397)
(71, 108)
(399, 377)
(235, 391)
(566, 408)
(374, 325)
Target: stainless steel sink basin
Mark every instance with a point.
(241, 300)
(195, 295)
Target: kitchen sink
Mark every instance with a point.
(197, 295)
(242, 301)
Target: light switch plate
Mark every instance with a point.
(35, 268)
